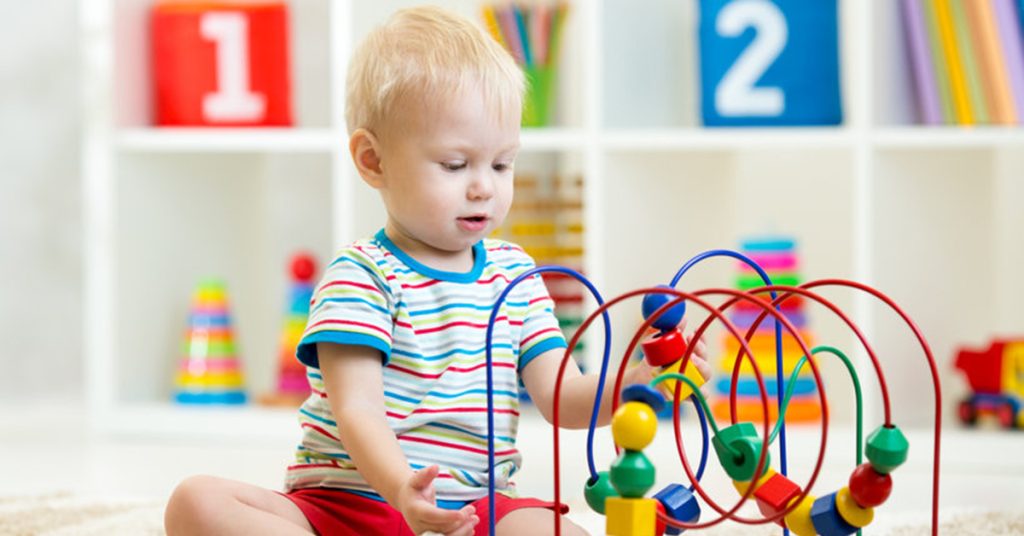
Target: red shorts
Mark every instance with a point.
(338, 512)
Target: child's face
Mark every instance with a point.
(447, 173)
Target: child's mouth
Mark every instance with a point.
(473, 223)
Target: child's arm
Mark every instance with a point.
(353, 379)
(578, 390)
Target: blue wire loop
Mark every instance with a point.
(780, 381)
(490, 379)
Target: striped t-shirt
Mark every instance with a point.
(430, 327)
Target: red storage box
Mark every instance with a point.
(221, 64)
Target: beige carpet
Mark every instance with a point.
(64, 514)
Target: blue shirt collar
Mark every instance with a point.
(479, 259)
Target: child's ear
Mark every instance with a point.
(365, 150)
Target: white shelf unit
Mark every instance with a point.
(929, 215)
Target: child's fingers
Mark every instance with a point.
(423, 478)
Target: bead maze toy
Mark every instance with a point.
(742, 447)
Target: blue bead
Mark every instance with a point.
(680, 504)
(826, 518)
(639, 392)
(671, 318)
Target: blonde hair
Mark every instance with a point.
(427, 53)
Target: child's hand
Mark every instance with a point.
(699, 358)
(416, 503)
(643, 372)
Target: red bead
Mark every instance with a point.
(774, 495)
(659, 525)
(868, 487)
(664, 348)
(303, 267)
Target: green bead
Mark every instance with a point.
(632, 474)
(741, 461)
(597, 492)
(887, 449)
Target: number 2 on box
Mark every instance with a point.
(736, 95)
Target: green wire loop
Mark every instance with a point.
(856, 389)
(696, 391)
(789, 394)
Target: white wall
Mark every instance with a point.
(40, 252)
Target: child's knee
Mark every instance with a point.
(193, 501)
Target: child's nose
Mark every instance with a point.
(482, 186)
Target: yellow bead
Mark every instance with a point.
(634, 425)
(742, 486)
(798, 520)
(630, 517)
(852, 512)
(684, 391)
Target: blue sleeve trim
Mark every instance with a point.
(549, 344)
(307, 347)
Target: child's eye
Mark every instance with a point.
(453, 166)
(502, 167)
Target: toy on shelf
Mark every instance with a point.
(779, 259)
(292, 386)
(996, 378)
(210, 371)
(742, 447)
(546, 221)
(221, 63)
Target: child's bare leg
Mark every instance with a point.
(534, 521)
(210, 505)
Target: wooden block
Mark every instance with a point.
(630, 517)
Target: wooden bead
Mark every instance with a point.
(671, 318)
(664, 348)
(596, 492)
(741, 460)
(659, 525)
(630, 517)
(852, 512)
(887, 448)
(632, 474)
(639, 392)
(826, 518)
(869, 487)
(798, 520)
(774, 495)
(741, 486)
(691, 372)
(634, 425)
(680, 504)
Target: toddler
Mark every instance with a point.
(394, 435)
